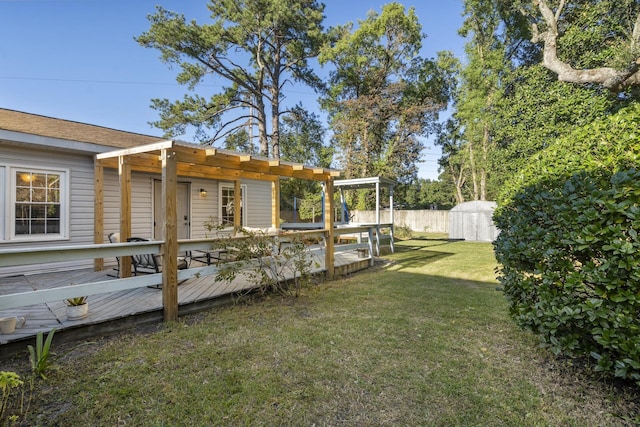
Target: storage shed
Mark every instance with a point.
(473, 221)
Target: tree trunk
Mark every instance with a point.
(483, 169)
(474, 174)
(275, 107)
(275, 127)
(458, 182)
(262, 127)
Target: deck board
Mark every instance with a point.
(115, 305)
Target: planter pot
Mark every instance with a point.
(8, 324)
(76, 312)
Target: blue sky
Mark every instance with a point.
(77, 59)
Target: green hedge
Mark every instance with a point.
(569, 250)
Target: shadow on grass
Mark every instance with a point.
(412, 256)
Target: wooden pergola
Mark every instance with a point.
(172, 159)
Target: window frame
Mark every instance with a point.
(243, 192)
(63, 203)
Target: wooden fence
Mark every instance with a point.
(433, 221)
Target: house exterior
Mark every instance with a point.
(48, 198)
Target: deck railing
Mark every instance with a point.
(18, 257)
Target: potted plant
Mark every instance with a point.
(77, 308)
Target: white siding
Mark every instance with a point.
(3, 196)
(111, 202)
(141, 204)
(81, 194)
(258, 203)
(203, 208)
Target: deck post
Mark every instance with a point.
(170, 247)
(378, 202)
(328, 227)
(391, 218)
(98, 212)
(124, 171)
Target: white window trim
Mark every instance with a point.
(65, 198)
(243, 191)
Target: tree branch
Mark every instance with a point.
(609, 77)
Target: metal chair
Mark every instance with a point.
(151, 263)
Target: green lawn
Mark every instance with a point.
(422, 340)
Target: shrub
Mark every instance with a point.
(269, 262)
(403, 231)
(569, 246)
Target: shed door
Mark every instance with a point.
(182, 210)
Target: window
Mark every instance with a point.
(227, 208)
(38, 203)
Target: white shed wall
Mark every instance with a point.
(473, 221)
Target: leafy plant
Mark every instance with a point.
(41, 356)
(569, 246)
(271, 262)
(403, 231)
(71, 302)
(212, 224)
(8, 381)
(75, 301)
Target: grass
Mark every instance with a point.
(422, 340)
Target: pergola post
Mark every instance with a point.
(237, 203)
(98, 211)
(170, 247)
(328, 227)
(124, 172)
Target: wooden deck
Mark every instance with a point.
(113, 311)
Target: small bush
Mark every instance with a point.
(272, 263)
(402, 231)
(569, 248)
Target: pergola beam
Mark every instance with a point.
(194, 161)
(173, 160)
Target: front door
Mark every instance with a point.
(182, 210)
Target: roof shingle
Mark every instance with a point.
(34, 124)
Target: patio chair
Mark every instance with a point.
(152, 263)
